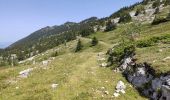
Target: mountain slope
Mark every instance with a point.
(78, 76)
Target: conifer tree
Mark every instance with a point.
(78, 46)
(94, 41)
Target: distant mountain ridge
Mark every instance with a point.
(51, 36)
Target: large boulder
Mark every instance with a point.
(139, 81)
(126, 62)
(141, 71)
(25, 73)
(120, 86)
(165, 92)
(156, 84)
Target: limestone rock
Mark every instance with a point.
(25, 73)
(126, 62)
(120, 86)
(116, 94)
(141, 71)
(165, 93)
(54, 86)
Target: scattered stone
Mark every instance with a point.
(106, 92)
(52, 58)
(117, 70)
(103, 96)
(25, 73)
(101, 59)
(104, 65)
(154, 61)
(11, 81)
(120, 86)
(45, 63)
(102, 88)
(123, 91)
(116, 94)
(17, 87)
(160, 50)
(130, 86)
(167, 58)
(54, 86)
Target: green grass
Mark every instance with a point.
(78, 75)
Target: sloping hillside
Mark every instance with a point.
(78, 76)
(134, 44)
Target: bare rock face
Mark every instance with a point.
(139, 81)
(102, 28)
(116, 20)
(25, 73)
(126, 62)
(156, 84)
(132, 13)
(165, 93)
(141, 71)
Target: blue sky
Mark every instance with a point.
(19, 18)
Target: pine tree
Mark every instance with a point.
(79, 46)
(94, 41)
(156, 10)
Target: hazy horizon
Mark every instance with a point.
(20, 18)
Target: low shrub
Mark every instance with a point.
(159, 20)
(119, 52)
(152, 41)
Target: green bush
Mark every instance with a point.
(54, 54)
(120, 52)
(125, 17)
(152, 41)
(94, 41)
(144, 43)
(159, 20)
